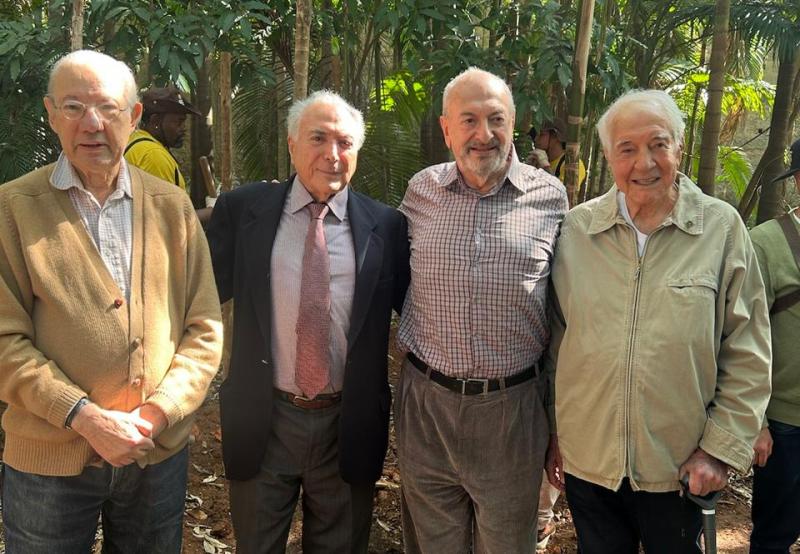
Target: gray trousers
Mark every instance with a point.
(471, 467)
(302, 453)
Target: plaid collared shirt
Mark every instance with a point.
(109, 225)
(479, 270)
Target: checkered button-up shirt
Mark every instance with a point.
(109, 225)
(479, 270)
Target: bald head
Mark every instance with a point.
(475, 78)
(116, 75)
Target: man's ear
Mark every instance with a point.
(291, 143)
(51, 111)
(136, 113)
(445, 131)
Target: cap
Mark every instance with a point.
(794, 166)
(556, 125)
(166, 100)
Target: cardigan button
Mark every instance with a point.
(137, 342)
(136, 383)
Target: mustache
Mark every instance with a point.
(96, 137)
(494, 143)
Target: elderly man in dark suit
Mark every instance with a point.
(315, 269)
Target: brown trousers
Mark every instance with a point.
(471, 467)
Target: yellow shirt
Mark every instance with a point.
(146, 153)
(561, 172)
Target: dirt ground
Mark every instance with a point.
(207, 527)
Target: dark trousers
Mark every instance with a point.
(616, 522)
(302, 455)
(776, 493)
(142, 509)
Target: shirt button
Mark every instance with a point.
(137, 342)
(136, 383)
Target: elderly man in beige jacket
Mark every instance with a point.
(662, 357)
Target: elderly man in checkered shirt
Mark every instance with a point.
(471, 426)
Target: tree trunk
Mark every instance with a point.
(302, 38)
(434, 149)
(709, 148)
(601, 182)
(772, 162)
(329, 62)
(76, 26)
(583, 36)
(688, 150)
(226, 148)
(201, 132)
(283, 148)
(272, 144)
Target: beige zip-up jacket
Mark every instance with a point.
(655, 356)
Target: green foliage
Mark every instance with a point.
(409, 49)
(175, 37)
(388, 159)
(391, 153)
(739, 95)
(26, 141)
(735, 170)
(254, 110)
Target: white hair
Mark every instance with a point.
(299, 107)
(657, 102)
(480, 74)
(104, 65)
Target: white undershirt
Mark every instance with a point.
(641, 238)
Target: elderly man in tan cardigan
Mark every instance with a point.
(109, 331)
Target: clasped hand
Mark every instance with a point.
(120, 438)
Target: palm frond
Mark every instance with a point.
(389, 157)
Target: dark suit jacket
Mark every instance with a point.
(241, 234)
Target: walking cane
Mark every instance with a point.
(708, 504)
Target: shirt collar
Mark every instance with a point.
(686, 215)
(513, 175)
(299, 198)
(64, 177)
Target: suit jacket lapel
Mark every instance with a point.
(259, 236)
(369, 257)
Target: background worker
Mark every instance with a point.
(776, 475)
(552, 139)
(163, 126)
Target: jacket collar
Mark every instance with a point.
(686, 215)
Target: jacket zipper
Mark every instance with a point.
(629, 372)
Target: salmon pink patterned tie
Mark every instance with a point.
(312, 368)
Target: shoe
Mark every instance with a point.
(543, 536)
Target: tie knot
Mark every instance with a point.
(317, 209)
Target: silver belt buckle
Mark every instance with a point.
(484, 381)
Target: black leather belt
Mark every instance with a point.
(317, 403)
(471, 386)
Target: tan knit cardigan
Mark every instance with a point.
(63, 335)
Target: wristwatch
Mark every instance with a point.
(74, 411)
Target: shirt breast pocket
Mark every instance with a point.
(689, 310)
(694, 286)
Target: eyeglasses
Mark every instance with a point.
(74, 110)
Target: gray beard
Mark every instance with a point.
(488, 167)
